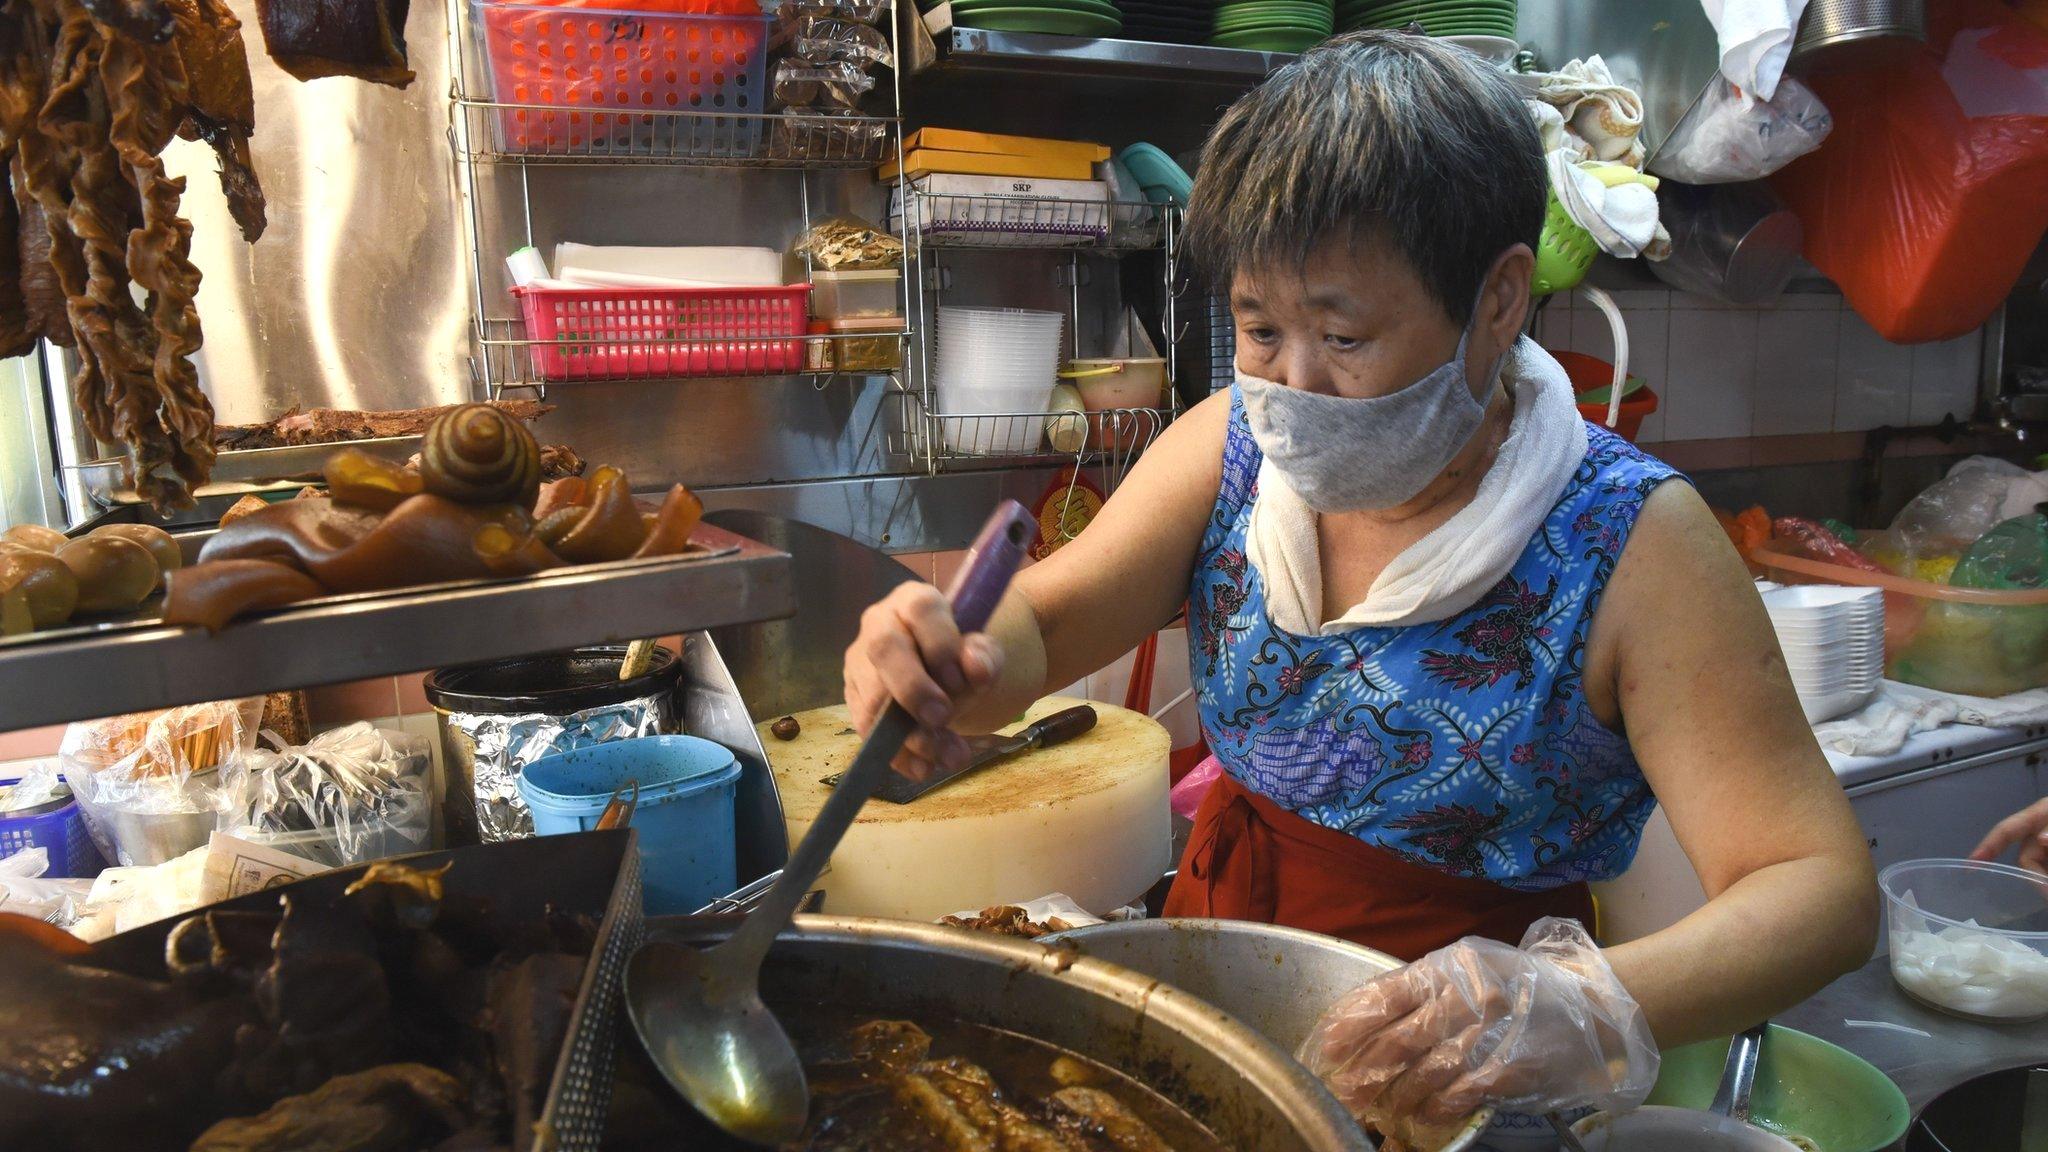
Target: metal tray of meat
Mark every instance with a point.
(594, 874)
(245, 470)
(131, 663)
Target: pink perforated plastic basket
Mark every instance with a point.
(593, 68)
(624, 333)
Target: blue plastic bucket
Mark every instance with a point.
(684, 817)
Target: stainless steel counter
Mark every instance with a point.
(1941, 1051)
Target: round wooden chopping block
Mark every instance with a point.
(1088, 818)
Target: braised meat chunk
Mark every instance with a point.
(390, 1108)
(337, 425)
(315, 38)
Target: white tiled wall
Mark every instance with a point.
(1805, 364)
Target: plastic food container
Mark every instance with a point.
(1975, 641)
(866, 344)
(1969, 938)
(851, 295)
(996, 371)
(683, 815)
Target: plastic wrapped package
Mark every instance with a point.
(2012, 555)
(834, 84)
(1951, 513)
(129, 897)
(1926, 202)
(1817, 542)
(146, 783)
(1725, 140)
(849, 244)
(858, 11)
(825, 39)
(24, 891)
(348, 796)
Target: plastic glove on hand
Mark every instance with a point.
(1538, 1028)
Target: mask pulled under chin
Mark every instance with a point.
(1347, 454)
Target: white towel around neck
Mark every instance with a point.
(1450, 569)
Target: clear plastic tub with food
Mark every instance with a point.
(1969, 938)
(1976, 641)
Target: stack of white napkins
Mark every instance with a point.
(593, 266)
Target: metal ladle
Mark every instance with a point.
(699, 1013)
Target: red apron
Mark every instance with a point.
(1250, 859)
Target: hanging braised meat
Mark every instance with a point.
(91, 92)
(40, 292)
(222, 108)
(315, 38)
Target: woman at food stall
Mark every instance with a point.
(1450, 643)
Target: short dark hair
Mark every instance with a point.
(1378, 134)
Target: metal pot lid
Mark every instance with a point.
(1765, 259)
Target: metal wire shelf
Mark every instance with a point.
(1005, 222)
(548, 134)
(507, 359)
(1111, 439)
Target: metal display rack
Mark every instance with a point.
(486, 132)
(1038, 53)
(127, 666)
(1084, 231)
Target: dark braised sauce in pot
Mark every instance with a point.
(882, 1085)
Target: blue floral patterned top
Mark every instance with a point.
(1466, 746)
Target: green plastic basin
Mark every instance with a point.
(1805, 1086)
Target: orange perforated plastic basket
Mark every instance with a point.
(629, 333)
(578, 76)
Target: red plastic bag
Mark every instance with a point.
(1926, 201)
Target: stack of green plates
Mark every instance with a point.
(1437, 17)
(1058, 17)
(1273, 25)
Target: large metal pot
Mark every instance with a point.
(1248, 1092)
(1276, 981)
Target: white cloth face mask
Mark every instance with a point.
(1345, 453)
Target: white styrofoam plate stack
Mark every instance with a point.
(1833, 640)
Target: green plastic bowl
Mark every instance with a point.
(1805, 1086)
